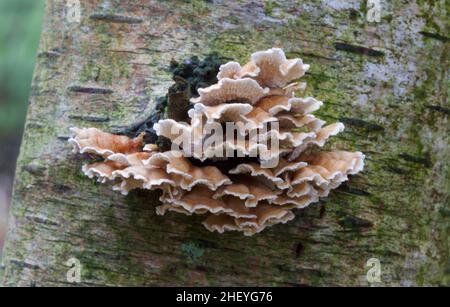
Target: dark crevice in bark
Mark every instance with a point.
(358, 49)
(437, 36)
(425, 161)
(116, 18)
(443, 110)
(90, 118)
(353, 222)
(90, 89)
(361, 124)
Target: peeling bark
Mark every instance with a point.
(387, 81)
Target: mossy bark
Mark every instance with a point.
(387, 81)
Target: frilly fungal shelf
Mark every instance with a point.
(244, 196)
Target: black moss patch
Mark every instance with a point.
(189, 76)
(197, 73)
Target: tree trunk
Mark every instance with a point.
(387, 82)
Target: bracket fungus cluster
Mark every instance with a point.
(241, 194)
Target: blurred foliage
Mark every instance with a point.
(20, 26)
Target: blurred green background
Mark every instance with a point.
(20, 26)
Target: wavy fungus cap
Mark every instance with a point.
(245, 195)
(242, 90)
(270, 68)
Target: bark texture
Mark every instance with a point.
(387, 81)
